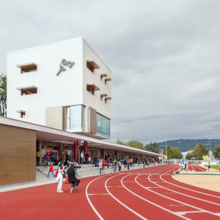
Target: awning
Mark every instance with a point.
(26, 87)
(20, 111)
(103, 75)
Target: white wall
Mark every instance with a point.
(69, 88)
(62, 90)
(94, 77)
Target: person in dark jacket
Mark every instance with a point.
(95, 160)
(72, 178)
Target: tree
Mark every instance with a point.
(169, 152)
(216, 151)
(3, 95)
(176, 153)
(135, 144)
(120, 142)
(189, 155)
(199, 151)
(153, 147)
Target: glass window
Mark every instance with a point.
(103, 125)
(74, 117)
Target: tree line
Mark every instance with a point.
(3, 95)
(172, 152)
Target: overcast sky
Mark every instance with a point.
(163, 54)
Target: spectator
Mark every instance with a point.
(95, 160)
(72, 178)
(81, 157)
(47, 156)
(108, 161)
(119, 165)
(100, 166)
(128, 162)
(38, 155)
(103, 163)
(89, 157)
(86, 157)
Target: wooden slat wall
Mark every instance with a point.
(17, 155)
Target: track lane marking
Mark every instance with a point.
(212, 213)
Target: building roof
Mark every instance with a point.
(50, 134)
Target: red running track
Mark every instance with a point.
(148, 193)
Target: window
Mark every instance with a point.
(91, 65)
(22, 114)
(107, 79)
(91, 88)
(103, 125)
(25, 68)
(74, 117)
(29, 91)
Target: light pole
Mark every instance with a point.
(166, 145)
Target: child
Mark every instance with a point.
(60, 180)
(51, 170)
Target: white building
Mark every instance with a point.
(64, 85)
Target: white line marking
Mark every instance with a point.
(178, 200)
(120, 201)
(86, 191)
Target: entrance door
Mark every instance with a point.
(68, 155)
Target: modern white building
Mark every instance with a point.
(67, 87)
(64, 85)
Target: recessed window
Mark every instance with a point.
(74, 117)
(91, 88)
(107, 79)
(91, 65)
(30, 91)
(25, 68)
(107, 98)
(22, 113)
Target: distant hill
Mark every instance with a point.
(186, 144)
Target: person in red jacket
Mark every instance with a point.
(108, 161)
(103, 163)
(47, 156)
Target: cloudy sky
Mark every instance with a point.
(164, 56)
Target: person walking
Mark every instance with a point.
(108, 161)
(100, 166)
(115, 164)
(128, 162)
(50, 170)
(81, 157)
(60, 180)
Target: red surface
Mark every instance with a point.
(128, 198)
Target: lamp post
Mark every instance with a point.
(166, 145)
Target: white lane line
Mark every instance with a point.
(150, 201)
(99, 194)
(188, 212)
(204, 200)
(191, 189)
(86, 191)
(201, 169)
(120, 201)
(116, 174)
(179, 200)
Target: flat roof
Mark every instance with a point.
(45, 133)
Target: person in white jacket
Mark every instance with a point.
(60, 180)
(100, 166)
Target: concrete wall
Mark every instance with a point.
(17, 155)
